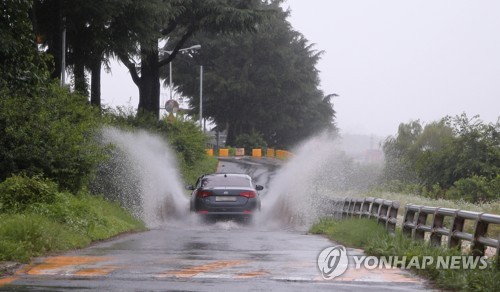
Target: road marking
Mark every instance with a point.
(193, 271)
(95, 272)
(251, 274)
(54, 265)
(20, 271)
(7, 280)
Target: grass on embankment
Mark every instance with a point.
(370, 236)
(36, 218)
(72, 223)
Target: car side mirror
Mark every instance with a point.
(259, 187)
(189, 187)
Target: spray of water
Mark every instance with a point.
(301, 191)
(143, 173)
(146, 168)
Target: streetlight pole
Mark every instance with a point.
(63, 53)
(170, 78)
(170, 82)
(201, 99)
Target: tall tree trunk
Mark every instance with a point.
(95, 89)
(55, 46)
(231, 134)
(81, 85)
(149, 84)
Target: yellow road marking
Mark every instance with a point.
(20, 271)
(251, 274)
(193, 271)
(7, 280)
(95, 272)
(54, 263)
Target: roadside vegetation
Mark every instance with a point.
(50, 152)
(456, 158)
(37, 218)
(372, 237)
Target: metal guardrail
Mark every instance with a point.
(384, 211)
(415, 226)
(415, 222)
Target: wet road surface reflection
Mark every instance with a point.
(192, 255)
(203, 257)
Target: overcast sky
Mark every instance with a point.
(391, 61)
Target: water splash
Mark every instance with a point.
(143, 175)
(301, 190)
(143, 171)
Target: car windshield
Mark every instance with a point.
(221, 181)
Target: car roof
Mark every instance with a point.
(242, 175)
(226, 180)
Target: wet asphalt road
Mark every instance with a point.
(190, 255)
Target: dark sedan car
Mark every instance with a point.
(225, 195)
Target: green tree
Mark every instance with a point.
(477, 147)
(432, 160)
(50, 133)
(463, 148)
(400, 153)
(177, 21)
(22, 68)
(459, 154)
(131, 30)
(44, 129)
(94, 29)
(264, 82)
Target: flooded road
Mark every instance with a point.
(189, 255)
(223, 256)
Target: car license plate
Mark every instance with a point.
(225, 199)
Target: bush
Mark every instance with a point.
(19, 192)
(475, 189)
(232, 151)
(54, 221)
(186, 139)
(204, 166)
(50, 133)
(250, 141)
